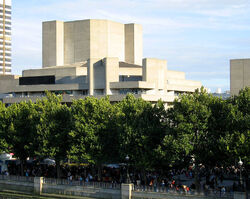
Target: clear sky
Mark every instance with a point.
(198, 37)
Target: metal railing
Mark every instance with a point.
(17, 178)
(104, 185)
(160, 189)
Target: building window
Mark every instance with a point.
(98, 92)
(84, 92)
(37, 80)
(132, 91)
(129, 78)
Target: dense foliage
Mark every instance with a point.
(198, 126)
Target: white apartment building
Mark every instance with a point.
(5, 37)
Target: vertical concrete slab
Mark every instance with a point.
(236, 76)
(90, 68)
(246, 73)
(116, 40)
(38, 185)
(239, 195)
(111, 72)
(126, 191)
(153, 70)
(133, 44)
(69, 43)
(53, 43)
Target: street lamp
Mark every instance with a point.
(240, 165)
(127, 179)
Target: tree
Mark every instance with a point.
(91, 134)
(54, 128)
(188, 121)
(3, 128)
(22, 120)
(239, 146)
(140, 130)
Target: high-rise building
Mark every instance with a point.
(5, 37)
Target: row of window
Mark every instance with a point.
(6, 6)
(6, 22)
(6, 54)
(7, 65)
(129, 78)
(6, 27)
(6, 49)
(131, 90)
(6, 11)
(6, 43)
(6, 17)
(6, 33)
(6, 70)
(6, 59)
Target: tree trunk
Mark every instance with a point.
(21, 164)
(196, 177)
(99, 172)
(58, 169)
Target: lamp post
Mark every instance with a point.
(127, 160)
(240, 165)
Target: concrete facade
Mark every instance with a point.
(239, 75)
(77, 41)
(96, 58)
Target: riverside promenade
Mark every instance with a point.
(38, 187)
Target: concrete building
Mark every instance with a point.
(239, 75)
(96, 58)
(5, 37)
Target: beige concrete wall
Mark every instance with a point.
(91, 66)
(8, 83)
(52, 45)
(132, 84)
(116, 40)
(76, 41)
(98, 39)
(57, 71)
(239, 75)
(99, 75)
(154, 71)
(130, 71)
(111, 73)
(93, 39)
(133, 43)
(246, 81)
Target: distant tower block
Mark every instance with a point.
(218, 91)
(5, 37)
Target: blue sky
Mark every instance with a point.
(198, 37)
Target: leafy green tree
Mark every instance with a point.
(21, 133)
(3, 128)
(140, 130)
(188, 121)
(94, 136)
(239, 146)
(92, 117)
(54, 129)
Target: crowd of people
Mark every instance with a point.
(170, 181)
